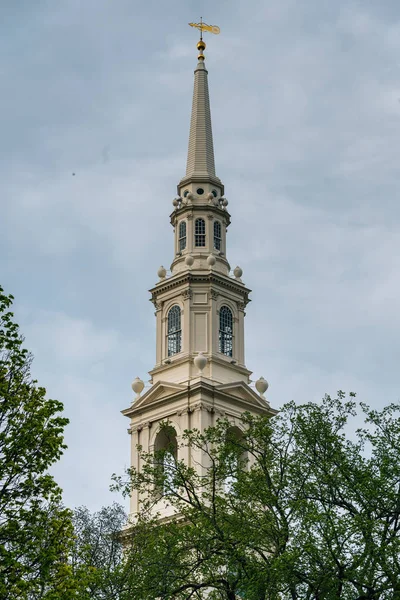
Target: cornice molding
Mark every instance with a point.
(220, 400)
(213, 179)
(187, 212)
(208, 278)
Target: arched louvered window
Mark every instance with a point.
(217, 235)
(182, 236)
(225, 331)
(174, 334)
(200, 233)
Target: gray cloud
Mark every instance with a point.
(305, 107)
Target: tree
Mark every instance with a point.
(312, 510)
(35, 529)
(97, 552)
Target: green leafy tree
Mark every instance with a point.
(35, 530)
(296, 507)
(96, 557)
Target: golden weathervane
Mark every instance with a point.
(204, 27)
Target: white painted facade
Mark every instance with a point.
(200, 285)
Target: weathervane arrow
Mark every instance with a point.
(204, 27)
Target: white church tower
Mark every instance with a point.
(200, 373)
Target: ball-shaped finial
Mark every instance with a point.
(200, 362)
(211, 260)
(237, 271)
(201, 45)
(225, 202)
(162, 272)
(137, 386)
(175, 202)
(189, 260)
(262, 386)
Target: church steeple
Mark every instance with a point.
(200, 373)
(200, 304)
(200, 166)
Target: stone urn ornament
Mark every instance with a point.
(238, 272)
(189, 260)
(137, 386)
(162, 272)
(261, 386)
(200, 362)
(211, 260)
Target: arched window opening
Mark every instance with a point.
(174, 334)
(225, 331)
(166, 454)
(217, 235)
(182, 236)
(200, 233)
(235, 459)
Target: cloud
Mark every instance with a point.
(88, 369)
(305, 109)
(75, 339)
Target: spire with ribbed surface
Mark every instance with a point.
(200, 160)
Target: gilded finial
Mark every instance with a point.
(201, 45)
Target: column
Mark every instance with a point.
(190, 233)
(186, 321)
(144, 441)
(210, 233)
(159, 334)
(239, 341)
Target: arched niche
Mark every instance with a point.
(166, 456)
(166, 440)
(236, 456)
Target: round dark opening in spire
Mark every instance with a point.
(200, 191)
(185, 193)
(214, 193)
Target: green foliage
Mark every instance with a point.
(310, 510)
(35, 530)
(96, 556)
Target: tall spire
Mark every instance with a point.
(200, 164)
(200, 160)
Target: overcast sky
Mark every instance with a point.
(305, 102)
